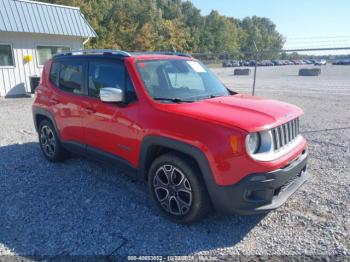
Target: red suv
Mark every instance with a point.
(166, 117)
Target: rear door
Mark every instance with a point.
(66, 101)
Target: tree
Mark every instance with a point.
(263, 32)
(145, 38)
(173, 36)
(173, 24)
(220, 34)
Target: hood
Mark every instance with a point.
(245, 112)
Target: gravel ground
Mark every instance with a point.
(81, 207)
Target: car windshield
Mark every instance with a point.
(179, 80)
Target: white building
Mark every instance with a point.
(30, 33)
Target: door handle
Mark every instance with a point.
(54, 101)
(90, 110)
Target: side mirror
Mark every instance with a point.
(111, 94)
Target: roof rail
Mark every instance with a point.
(94, 51)
(161, 53)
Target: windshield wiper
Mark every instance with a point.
(215, 96)
(212, 96)
(173, 99)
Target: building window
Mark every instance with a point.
(6, 55)
(47, 52)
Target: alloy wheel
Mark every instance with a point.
(172, 190)
(48, 141)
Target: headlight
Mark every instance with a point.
(253, 143)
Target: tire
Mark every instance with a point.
(177, 189)
(50, 144)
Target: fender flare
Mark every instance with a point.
(185, 148)
(45, 113)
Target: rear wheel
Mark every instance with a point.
(49, 142)
(177, 189)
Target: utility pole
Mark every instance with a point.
(255, 68)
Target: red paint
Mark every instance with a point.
(207, 124)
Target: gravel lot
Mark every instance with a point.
(81, 207)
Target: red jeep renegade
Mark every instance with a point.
(199, 145)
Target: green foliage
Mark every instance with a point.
(173, 25)
(263, 32)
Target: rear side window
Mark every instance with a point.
(54, 74)
(71, 77)
(105, 74)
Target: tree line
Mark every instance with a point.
(163, 25)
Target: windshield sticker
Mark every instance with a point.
(197, 67)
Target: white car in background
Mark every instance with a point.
(320, 62)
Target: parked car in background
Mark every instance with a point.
(245, 63)
(253, 63)
(235, 63)
(320, 62)
(342, 62)
(165, 117)
(286, 62)
(226, 64)
(308, 62)
(275, 62)
(267, 63)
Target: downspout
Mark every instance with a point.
(86, 41)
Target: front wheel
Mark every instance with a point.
(177, 189)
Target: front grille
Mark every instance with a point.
(284, 134)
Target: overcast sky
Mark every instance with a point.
(305, 23)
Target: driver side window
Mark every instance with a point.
(105, 74)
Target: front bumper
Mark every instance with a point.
(262, 192)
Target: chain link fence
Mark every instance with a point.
(320, 69)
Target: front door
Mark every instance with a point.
(110, 128)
